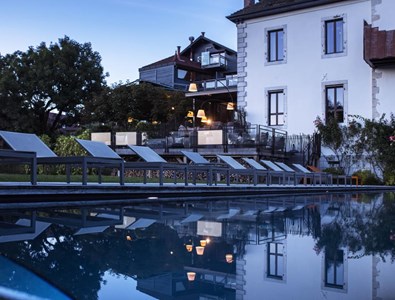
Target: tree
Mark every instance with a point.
(370, 141)
(378, 143)
(341, 139)
(136, 102)
(43, 81)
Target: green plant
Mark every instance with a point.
(366, 177)
(334, 171)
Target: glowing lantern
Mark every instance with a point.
(191, 276)
(199, 250)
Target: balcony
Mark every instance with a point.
(213, 60)
(215, 86)
(379, 46)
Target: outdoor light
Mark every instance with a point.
(230, 106)
(128, 237)
(189, 247)
(204, 120)
(192, 87)
(199, 250)
(201, 113)
(130, 119)
(229, 258)
(203, 243)
(190, 114)
(191, 276)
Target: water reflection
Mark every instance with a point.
(316, 247)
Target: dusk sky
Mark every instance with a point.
(128, 34)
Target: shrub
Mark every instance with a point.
(389, 177)
(334, 171)
(366, 177)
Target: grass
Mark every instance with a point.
(6, 177)
(74, 178)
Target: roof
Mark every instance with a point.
(175, 59)
(202, 39)
(265, 8)
(182, 58)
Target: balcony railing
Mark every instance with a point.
(256, 137)
(213, 60)
(221, 83)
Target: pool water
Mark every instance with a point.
(332, 246)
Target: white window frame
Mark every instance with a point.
(326, 84)
(323, 36)
(266, 45)
(267, 116)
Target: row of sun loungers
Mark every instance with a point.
(28, 149)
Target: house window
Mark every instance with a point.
(275, 45)
(334, 269)
(334, 103)
(276, 107)
(275, 260)
(334, 36)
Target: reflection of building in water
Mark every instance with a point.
(282, 247)
(294, 266)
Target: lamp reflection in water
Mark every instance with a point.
(229, 258)
(199, 251)
(191, 276)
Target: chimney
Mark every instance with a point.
(203, 33)
(178, 50)
(191, 39)
(248, 3)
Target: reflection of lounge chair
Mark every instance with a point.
(239, 169)
(45, 156)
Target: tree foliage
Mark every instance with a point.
(136, 103)
(341, 139)
(370, 140)
(57, 79)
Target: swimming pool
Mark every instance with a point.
(332, 246)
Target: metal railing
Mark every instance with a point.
(258, 137)
(220, 83)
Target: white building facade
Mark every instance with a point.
(299, 60)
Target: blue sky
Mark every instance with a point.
(128, 34)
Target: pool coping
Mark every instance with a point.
(59, 194)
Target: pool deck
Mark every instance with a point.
(60, 194)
